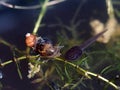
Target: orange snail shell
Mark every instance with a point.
(30, 40)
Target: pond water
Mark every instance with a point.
(14, 24)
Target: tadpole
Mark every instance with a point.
(76, 51)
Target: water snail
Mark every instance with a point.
(42, 46)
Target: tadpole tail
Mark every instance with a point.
(91, 40)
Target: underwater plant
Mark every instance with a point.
(50, 66)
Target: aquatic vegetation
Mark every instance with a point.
(57, 72)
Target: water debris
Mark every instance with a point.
(98, 26)
(33, 69)
(111, 24)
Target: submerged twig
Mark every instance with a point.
(29, 7)
(103, 79)
(19, 59)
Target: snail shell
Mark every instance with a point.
(30, 40)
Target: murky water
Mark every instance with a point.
(14, 24)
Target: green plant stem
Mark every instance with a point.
(77, 11)
(110, 9)
(42, 13)
(103, 79)
(19, 59)
(88, 74)
(80, 70)
(76, 84)
(38, 23)
(9, 45)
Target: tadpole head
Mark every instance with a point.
(73, 53)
